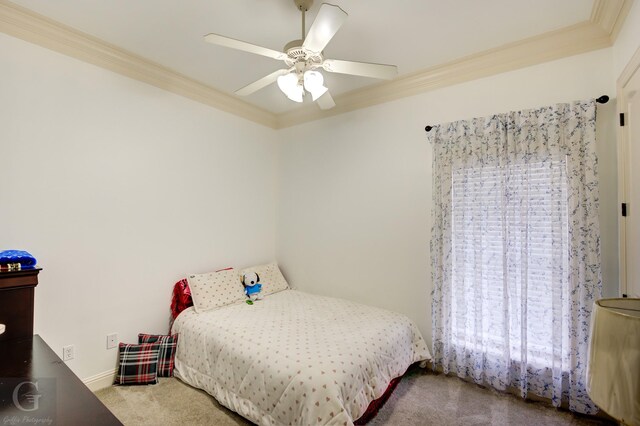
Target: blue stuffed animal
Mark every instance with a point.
(252, 286)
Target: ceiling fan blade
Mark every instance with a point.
(328, 21)
(263, 82)
(365, 69)
(242, 45)
(325, 101)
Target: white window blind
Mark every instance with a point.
(510, 261)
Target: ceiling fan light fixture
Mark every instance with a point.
(314, 84)
(296, 93)
(302, 58)
(288, 83)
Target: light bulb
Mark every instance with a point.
(296, 93)
(288, 83)
(314, 83)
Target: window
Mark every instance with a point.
(515, 250)
(510, 261)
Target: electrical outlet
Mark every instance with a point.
(112, 340)
(68, 352)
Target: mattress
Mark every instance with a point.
(295, 358)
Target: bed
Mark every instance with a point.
(295, 358)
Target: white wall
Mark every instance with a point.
(355, 189)
(628, 40)
(120, 189)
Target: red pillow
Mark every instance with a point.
(181, 299)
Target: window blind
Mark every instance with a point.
(510, 260)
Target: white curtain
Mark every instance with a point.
(515, 250)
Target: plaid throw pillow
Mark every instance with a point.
(167, 352)
(138, 364)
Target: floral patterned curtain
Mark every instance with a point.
(515, 250)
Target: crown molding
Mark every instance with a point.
(573, 40)
(600, 31)
(610, 15)
(27, 25)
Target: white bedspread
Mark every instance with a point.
(294, 358)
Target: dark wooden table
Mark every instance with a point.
(36, 387)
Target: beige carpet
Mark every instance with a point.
(421, 398)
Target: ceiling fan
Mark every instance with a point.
(304, 57)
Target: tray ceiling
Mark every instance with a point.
(412, 34)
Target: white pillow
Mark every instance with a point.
(271, 278)
(215, 289)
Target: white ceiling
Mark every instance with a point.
(412, 34)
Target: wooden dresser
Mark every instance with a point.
(36, 386)
(17, 291)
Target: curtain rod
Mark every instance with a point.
(601, 100)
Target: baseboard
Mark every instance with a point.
(100, 380)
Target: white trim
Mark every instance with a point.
(101, 380)
(27, 25)
(607, 17)
(610, 15)
(623, 173)
(579, 38)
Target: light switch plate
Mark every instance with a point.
(112, 340)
